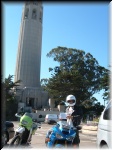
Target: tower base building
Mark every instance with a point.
(33, 97)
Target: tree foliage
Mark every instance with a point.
(9, 97)
(78, 73)
(8, 87)
(105, 84)
(97, 109)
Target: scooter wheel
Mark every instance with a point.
(16, 141)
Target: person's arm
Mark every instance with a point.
(77, 115)
(47, 139)
(48, 133)
(69, 117)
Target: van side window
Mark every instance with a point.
(107, 113)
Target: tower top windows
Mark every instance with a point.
(27, 3)
(34, 15)
(35, 3)
(40, 17)
(31, 2)
(26, 13)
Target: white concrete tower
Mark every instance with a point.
(29, 46)
(29, 57)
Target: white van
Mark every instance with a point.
(51, 118)
(104, 132)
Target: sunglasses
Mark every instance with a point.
(71, 101)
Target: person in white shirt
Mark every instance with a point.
(75, 113)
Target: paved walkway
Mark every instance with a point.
(87, 133)
(90, 129)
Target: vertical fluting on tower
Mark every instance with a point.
(29, 46)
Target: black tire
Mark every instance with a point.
(104, 146)
(16, 141)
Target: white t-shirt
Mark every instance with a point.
(69, 110)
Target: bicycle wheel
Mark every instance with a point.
(16, 141)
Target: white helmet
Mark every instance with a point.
(69, 98)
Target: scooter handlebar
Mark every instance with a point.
(17, 115)
(76, 116)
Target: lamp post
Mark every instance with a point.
(104, 102)
(22, 93)
(28, 98)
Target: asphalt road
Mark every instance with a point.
(38, 140)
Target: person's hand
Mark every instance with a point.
(47, 140)
(69, 117)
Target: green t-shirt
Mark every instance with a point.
(26, 121)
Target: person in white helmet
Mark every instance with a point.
(75, 113)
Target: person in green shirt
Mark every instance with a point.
(26, 121)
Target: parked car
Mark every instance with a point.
(51, 118)
(8, 132)
(104, 132)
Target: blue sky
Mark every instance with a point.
(83, 26)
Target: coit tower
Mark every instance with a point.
(29, 46)
(29, 56)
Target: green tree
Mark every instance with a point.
(9, 85)
(78, 73)
(98, 108)
(9, 97)
(3, 108)
(105, 84)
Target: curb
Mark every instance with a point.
(90, 135)
(90, 130)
